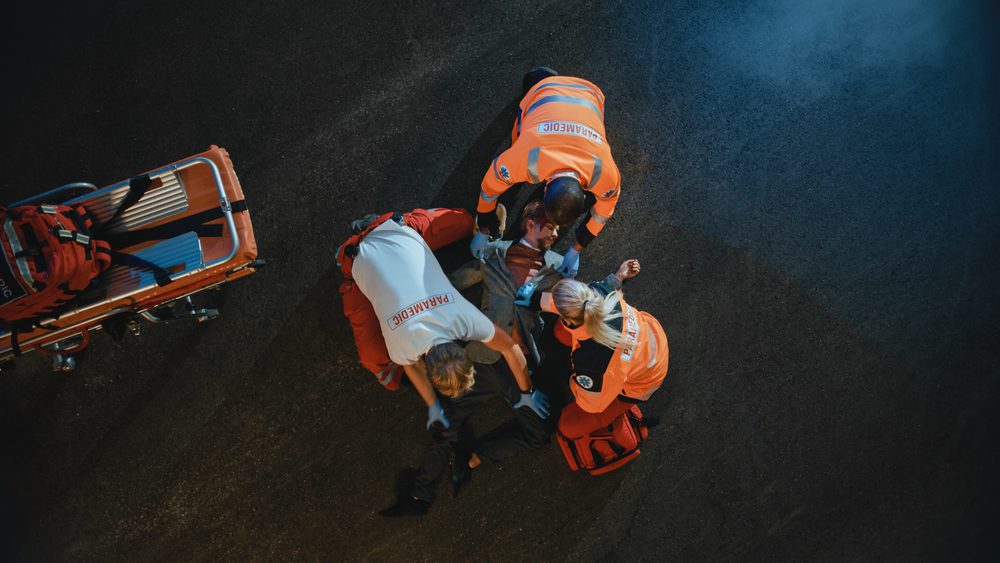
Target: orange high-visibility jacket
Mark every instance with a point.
(637, 368)
(559, 131)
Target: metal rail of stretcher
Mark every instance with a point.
(133, 218)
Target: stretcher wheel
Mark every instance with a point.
(63, 362)
(66, 352)
(185, 308)
(205, 315)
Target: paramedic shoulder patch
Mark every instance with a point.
(504, 172)
(585, 382)
(418, 308)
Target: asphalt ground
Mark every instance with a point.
(811, 188)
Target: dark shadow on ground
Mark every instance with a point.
(463, 183)
(44, 413)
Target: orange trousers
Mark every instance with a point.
(439, 227)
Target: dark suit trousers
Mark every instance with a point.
(526, 431)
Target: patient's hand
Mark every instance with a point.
(628, 269)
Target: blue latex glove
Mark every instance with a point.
(336, 255)
(480, 242)
(570, 264)
(536, 401)
(524, 293)
(435, 413)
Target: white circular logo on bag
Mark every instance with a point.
(584, 381)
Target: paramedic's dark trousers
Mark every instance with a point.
(528, 431)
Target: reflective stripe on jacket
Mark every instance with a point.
(637, 368)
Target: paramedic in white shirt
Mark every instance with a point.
(424, 318)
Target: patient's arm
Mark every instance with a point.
(628, 270)
(503, 343)
(467, 275)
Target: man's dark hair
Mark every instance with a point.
(564, 200)
(534, 211)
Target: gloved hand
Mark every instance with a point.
(435, 413)
(570, 264)
(480, 242)
(524, 293)
(336, 255)
(536, 401)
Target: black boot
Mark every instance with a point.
(406, 505)
(534, 76)
(461, 473)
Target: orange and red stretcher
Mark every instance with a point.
(197, 258)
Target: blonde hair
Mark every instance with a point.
(449, 370)
(581, 305)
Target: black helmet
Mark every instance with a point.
(564, 200)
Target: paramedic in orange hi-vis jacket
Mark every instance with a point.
(558, 139)
(619, 353)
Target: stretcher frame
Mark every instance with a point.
(197, 263)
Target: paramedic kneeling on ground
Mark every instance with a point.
(506, 267)
(558, 142)
(619, 353)
(422, 317)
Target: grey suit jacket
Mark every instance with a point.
(499, 291)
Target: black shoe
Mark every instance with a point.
(534, 76)
(461, 473)
(359, 225)
(406, 506)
